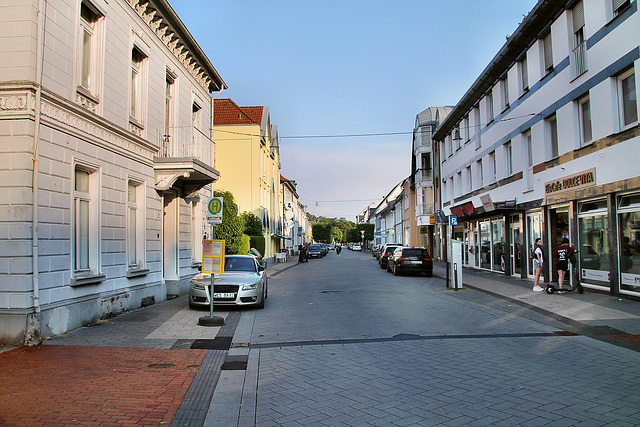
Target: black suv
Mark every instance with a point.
(410, 259)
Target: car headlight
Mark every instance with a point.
(250, 287)
(198, 286)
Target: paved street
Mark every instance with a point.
(342, 342)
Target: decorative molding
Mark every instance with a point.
(13, 102)
(158, 24)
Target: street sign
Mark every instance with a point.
(214, 210)
(362, 232)
(453, 220)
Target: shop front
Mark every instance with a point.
(603, 223)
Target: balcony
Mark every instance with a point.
(185, 161)
(425, 174)
(579, 60)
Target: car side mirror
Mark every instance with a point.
(261, 267)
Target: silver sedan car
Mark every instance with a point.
(244, 282)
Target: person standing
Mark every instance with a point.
(538, 262)
(562, 253)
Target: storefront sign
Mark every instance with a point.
(487, 203)
(571, 182)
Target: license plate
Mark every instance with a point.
(415, 262)
(224, 295)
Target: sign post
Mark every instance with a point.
(213, 258)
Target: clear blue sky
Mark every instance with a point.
(337, 67)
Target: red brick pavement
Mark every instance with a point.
(56, 385)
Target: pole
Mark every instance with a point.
(212, 281)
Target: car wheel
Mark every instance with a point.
(396, 272)
(388, 267)
(381, 266)
(260, 305)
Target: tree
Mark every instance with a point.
(252, 225)
(355, 234)
(231, 228)
(321, 232)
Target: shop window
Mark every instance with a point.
(484, 250)
(497, 238)
(629, 241)
(593, 240)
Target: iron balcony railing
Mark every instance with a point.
(579, 59)
(187, 141)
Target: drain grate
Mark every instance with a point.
(218, 343)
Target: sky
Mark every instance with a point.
(345, 79)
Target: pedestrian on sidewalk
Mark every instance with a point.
(538, 261)
(563, 253)
(302, 255)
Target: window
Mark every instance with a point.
(593, 240)
(579, 52)
(459, 182)
(464, 128)
(618, 6)
(89, 49)
(85, 222)
(137, 85)
(449, 145)
(451, 189)
(456, 137)
(528, 149)
(552, 136)
(524, 75)
(476, 118)
(627, 98)
(508, 154)
(469, 179)
(547, 54)
(584, 113)
(492, 166)
(504, 89)
(480, 178)
(490, 107)
(135, 225)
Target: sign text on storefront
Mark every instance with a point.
(572, 182)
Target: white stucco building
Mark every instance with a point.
(545, 144)
(296, 227)
(105, 128)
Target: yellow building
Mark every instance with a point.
(248, 159)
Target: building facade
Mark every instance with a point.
(248, 158)
(423, 179)
(544, 143)
(296, 227)
(105, 119)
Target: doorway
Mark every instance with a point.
(170, 236)
(516, 247)
(534, 231)
(558, 229)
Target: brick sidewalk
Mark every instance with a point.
(73, 385)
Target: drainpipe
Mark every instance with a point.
(33, 335)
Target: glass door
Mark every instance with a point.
(534, 231)
(516, 247)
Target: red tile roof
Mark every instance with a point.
(227, 112)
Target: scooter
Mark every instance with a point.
(550, 288)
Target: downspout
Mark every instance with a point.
(33, 335)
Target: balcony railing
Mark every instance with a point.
(579, 59)
(424, 174)
(185, 142)
(425, 209)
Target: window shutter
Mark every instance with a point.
(578, 16)
(617, 4)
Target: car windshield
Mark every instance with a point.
(316, 247)
(239, 264)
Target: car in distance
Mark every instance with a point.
(315, 251)
(385, 252)
(357, 247)
(243, 283)
(406, 259)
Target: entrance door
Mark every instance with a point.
(558, 229)
(170, 236)
(516, 248)
(534, 231)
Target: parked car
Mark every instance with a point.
(385, 252)
(406, 259)
(375, 250)
(315, 251)
(357, 247)
(244, 282)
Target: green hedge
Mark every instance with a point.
(245, 244)
(259, 243)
